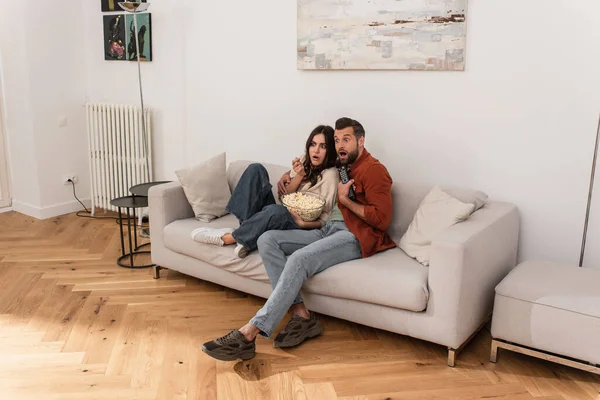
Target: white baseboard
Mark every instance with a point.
(51, 211)
(5, 209)
(26, 209)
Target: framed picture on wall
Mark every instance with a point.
(113, 5)
(423, 35)
(114, 37)
(144, 33)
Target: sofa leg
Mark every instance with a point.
(452, 353)
(528, 351)
(494, 352)
(452, 357)
(156, 271)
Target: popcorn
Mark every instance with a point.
(302, 201)
(307, 205)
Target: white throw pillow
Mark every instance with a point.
(206, 188)
(475, 197)
(437, 212)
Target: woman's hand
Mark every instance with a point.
(299, 221)
(281, 185)
(303, 224)
(298, 167)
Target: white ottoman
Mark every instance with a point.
(550, 311)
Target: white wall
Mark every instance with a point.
(519, 123)
(44, 79)
(17, 104)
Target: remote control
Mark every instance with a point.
(343, 169)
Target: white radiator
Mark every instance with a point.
(117, 152)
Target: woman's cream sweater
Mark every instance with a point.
(326, 187)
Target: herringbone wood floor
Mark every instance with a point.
(74, 325)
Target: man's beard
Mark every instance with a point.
(351, 158)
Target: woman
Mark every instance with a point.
(254, 206)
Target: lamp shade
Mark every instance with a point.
(134, 6)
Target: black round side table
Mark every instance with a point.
(142, 189)
(130, 202)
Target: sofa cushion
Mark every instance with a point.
(437, 212)
(206, 188)
(407, 197)
(475, 197)
(389, 278)
(554, 285)
(177, 237)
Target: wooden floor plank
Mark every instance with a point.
(125, 350)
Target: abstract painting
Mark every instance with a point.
(113, 5)
(144, 32)
(382, 34)
(114, 37)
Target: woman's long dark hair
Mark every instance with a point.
(314, 173)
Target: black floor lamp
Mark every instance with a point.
(135, 8)
(590, 193)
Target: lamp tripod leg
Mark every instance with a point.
(590, 193)
(145, 137)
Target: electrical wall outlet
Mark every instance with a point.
(72, 177)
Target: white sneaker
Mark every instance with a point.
(210, 235)
(240, 251)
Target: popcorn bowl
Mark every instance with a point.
(308, 206)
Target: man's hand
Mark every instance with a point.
(356, 208)
(285, 179)
(298, 167)
(344, 190)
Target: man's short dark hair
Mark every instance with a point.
(345, 122)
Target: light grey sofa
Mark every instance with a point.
(445, 303)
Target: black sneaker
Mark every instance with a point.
(230, 347)
(297, 331)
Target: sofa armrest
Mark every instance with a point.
(166, 203)
(468, 260)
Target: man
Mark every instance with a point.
(355, 229)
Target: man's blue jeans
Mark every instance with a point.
(291, 257)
